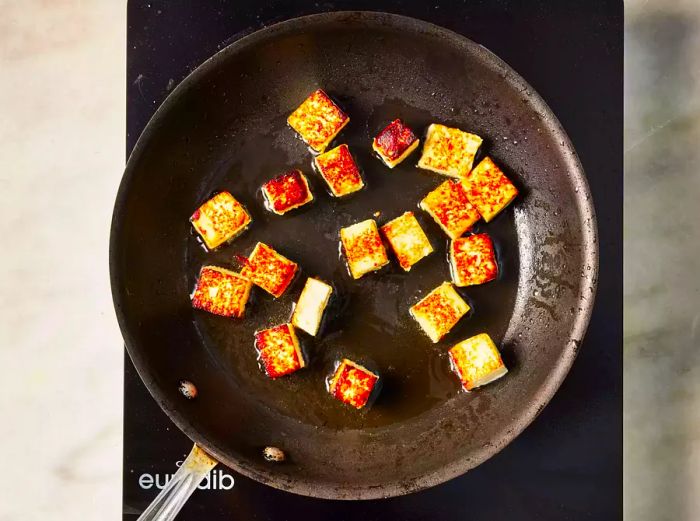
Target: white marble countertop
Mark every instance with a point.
(62, 113)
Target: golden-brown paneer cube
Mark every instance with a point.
(449, 151)
(269, 270)
(221, 292)
(339, 170)
(352, 383)
(473, 260)
(220, 219)
(312, 302)
(477, 361)
(278, 350)
(439, 311)
(395, 143)
(407, 239)
(287, 192)
(363, 248)
(489, 189)
(449, 207)
(318, 120)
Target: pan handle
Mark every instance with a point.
(179, 488)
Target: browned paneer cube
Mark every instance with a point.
(477, 361)
(279, 351)
(449, 207)
(439, 311)
(363, 248)
(449, 151)
(407, 239)
(318, 120)
(339, 170)
(269, 270)
(352, 383)
(488, 189)
(473, 260)
(220, 219)
(221, 292)
(395, 143)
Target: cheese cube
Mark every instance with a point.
(449, 151)
(407, 239)
(395, 143)
(489, 189)
(449, 207)
(287, 192)
(477, 361)
(352, 383)
(312, 302)
(269, 270)
(439, 311)
(473, 260)
(318, 120)
(220, 219)
(221, 292)
(278, 350)
(363, 248)
(339, 170)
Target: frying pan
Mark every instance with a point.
(224, 128)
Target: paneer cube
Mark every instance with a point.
(352, 383)
(439, 311)
(220, 219)
(395, 143)
(318, 120)
(312, 302)
(449, 207)
(269, 270)
(477, 361)
(339, 170)
(287, 192)
(449, 151)
(363, 248)
(489, 189)
(278, 350)
(407, 239)
(473, 260)
(221, 292)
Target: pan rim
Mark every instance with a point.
(560, 367)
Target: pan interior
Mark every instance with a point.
(224, 128)
(368, 321)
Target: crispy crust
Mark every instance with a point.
(489, 189)
(221, 292)
(287, 192)
(220, 219)
(339, 170)
(308, 311)
(407, 240)
(449, 206)
(449, 151)
(477, 361)
(318, 120)
(269, 270)
(279, 351)
(439, 311)
(363, 248)
(394, 143)
(473, 260)
(352, 383)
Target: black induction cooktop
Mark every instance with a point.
(568, 464)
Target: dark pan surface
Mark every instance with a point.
(225, 128)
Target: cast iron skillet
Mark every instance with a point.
(224, 127)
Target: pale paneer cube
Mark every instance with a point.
(269, 270)
(352, 383)
(439, 311)
(363, 248)
(287, 192)
(449, 206)
(279, 351)
(318, 120)
(312, 302)
(407, 239)
(339, 171)
(449, 151)
(221, 292)
(488, 189)
(220, 219)
(395, 143)
(477, 361)
(473, 260)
